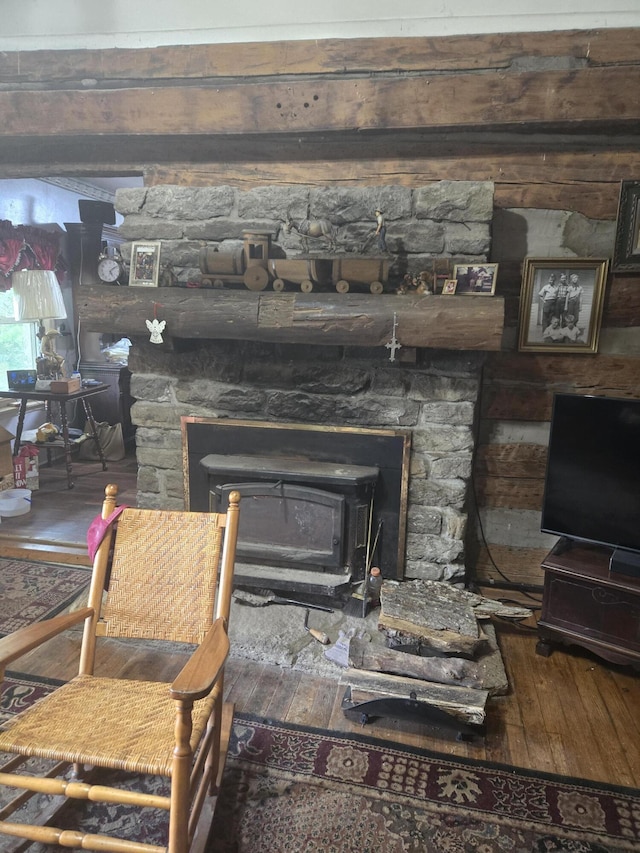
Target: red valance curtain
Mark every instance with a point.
(42, 247)
(26, 247)
(11, 248)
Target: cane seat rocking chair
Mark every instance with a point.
(168, 576)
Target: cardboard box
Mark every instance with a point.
(7, 482)
(66, 386)
(25, 468)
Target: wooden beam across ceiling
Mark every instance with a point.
(478, 52)
(552, 118)
(549, 99)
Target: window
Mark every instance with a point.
(18, 342)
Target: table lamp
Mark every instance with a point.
(37, 297)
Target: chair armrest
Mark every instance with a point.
(204, 667)
(25, 639)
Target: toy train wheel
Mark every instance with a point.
(342, 286)
(256, 278)
(376, 287)
(218, 282)
(306, 286)
(278, 284)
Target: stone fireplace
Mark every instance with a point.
(432, 401)
(333, 361)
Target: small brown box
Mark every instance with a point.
(66, 386)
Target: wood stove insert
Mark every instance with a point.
(297, 514)
(313, 498)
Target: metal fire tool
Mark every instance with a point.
(265, 597)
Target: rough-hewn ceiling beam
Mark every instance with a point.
(590, 96)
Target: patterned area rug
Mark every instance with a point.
(30, 592)
(293, 788)
(19, 692)
(290, 788)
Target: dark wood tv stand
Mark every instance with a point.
(584, 604)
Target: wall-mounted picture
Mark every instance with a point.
(449, 286)
(561, 304)
(478, 279)
(626, 253)
(145, 264)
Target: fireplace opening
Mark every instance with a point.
(319, 504)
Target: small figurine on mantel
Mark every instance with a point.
(168, 277)
(420, 284)
(381, 230)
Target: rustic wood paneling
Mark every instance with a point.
(520, 565)
(330, 56)
(517, 403)
(511, 460)
(613, 375)
(512, 492)
(622, 301)
(539, 171)
(598, 96)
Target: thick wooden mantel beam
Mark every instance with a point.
(462, 322)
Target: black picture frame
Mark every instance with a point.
(626, 253)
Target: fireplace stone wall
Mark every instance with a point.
(433, 395)
(434, 398)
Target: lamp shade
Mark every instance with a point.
(37, 296)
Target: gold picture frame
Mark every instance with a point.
(561, 302)
(145, 264)
(475, 279)
(449, 286)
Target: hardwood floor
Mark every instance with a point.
(55, 529)
(570, 713)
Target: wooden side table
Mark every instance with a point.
(49, 398)
(584, 604)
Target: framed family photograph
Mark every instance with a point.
(145, 264)
(561, 304)
(476, 279)
(449, 286)
(626, 252)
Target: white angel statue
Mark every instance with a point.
(156, 327)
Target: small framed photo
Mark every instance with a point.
(145, 264)
(626, 252)
(561, 304)
(476, 280)
(449, 286)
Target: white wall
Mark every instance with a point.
(39, 24)
(32, 202)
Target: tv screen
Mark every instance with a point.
(592, 486)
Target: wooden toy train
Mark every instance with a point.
(255, 266)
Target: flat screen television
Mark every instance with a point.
(592, 484)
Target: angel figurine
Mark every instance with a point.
(156, 327)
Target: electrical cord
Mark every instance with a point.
(525, 589)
